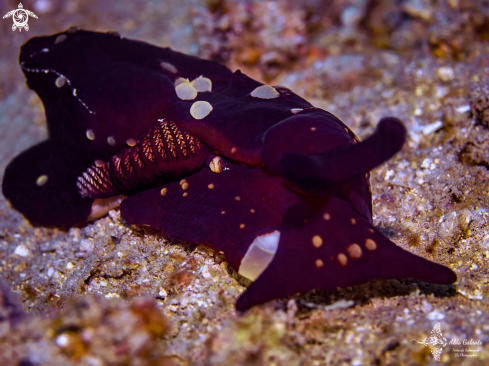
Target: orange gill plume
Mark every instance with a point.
(165, 153)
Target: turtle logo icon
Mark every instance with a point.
(435, 341)
(20, 17)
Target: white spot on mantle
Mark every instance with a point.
(180, 81)
(265, 92)
(202, 84)
(168, 67)
(111, 140)
(259, 255)
(186, 91)
(42, 180)
(60, 81)
(200, 109)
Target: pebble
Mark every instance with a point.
(436, 315)
(62, 340)
(432, 127)
(22, 250)
(445, 73)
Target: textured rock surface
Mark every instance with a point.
(79, 291)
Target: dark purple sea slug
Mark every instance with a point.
(208, 156)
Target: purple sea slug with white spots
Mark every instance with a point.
(208, 156)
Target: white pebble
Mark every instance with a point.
(21, 250)
(445, 73)
(388, 174)
(92, 361)
(162, 294)
(62, 340)
(86, 245)
(426, 163)
(432, 127)
(50, 272)
(205, 272)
